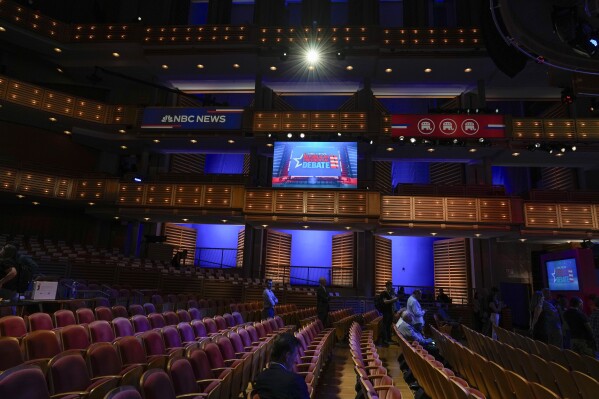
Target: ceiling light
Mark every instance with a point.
(312, 56)
(371, 142)
(515, 154)
(347, 227)
(428, 70)
(302, 135)
(146, 219)
(115, 54)
(310, 67)
(563, 149)
(20, 196)
(123, 147)
(431, 150)
(468, 70)
(390, 149)
(139, 18)
(522, 239)
(433, 234)
(265, 225)
(477, 234)
(52, 119)
(200, 66)
(349, 68)
(164, 66)
(273, 68)
(67, 132)
(193, 141)
(91, 203)
(472, 150)
(116, 218)
(57, 50)
(59, 70)
(412, 140)
(156, 141)
(306, 227)
(338, 134)
(231, 141)
(389, 232)
(388, 70)
(573, 148)
(185, 219)
(2, 29)
(289, 135)
(559, 154)
(121, 130)
(269, 144)
(224, 220)
(35, 203)
(235, 66)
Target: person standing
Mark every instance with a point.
(270, 300)
(414, 307)
(494, 311)
(388, 300)
(581, 335)
(537, 324)
(278, 381)
(322, 302)
(9, 281)
(594, 322)
(553, 324)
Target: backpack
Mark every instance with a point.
(379, 303)
(25, 273)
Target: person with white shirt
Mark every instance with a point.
(413, 307)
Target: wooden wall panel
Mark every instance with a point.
(451, 268)
(182, 238)
(89, 189)
(319, 202)
(343, 256)
(278, 256)
(187, 195)
(383, 263)
(131, 194)
(541, 215)
(352, 203)
(494, 210)
(8, 178)
(240, 248)
(429, 209)
(290, 201)
(159, 195)
(218, 196)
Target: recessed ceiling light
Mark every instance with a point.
(193, 141)
(235, 66)
(115, 54)
(428, 70)
(472, 150)
(389, 232)
(273, 68)
(224, 220)
(390, 149)
(67, 132)
(468, 70)
(35, 203)
(347, 227)
(265, 225)
(2, 29)
(91, 203)
(515, 154)
(59, 70)
(146, 219)
(123, 147)
(156, 141)
(522, 239)
(185, 219)
(231, 141)
(431, 150)
(306, 227)
(310, 67)
(20, 196)
(52, 119)
(433, 234)
(116, 218)
(57, 49)
(388, 70)
(559, 154)
(349, 68)
(289, 135)
(302, 135)
(121, 130)
(200, 66)
(269, 144)
(164, 66)
(477, 234)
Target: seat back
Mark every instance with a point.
(157, 320)
(155, 384)
(153, 343)
(85, 315)
(67, 372)
(170, 318)
(195, 313)
(23, 382)
(10, 353)
(103, 359)
(186, 332)
(199, 328)
(130, 350)
(183, 315)
(211, 327)
(74, 337)
(149, 308)
(122, 327)
(181, 373)
(171, 337)
(136, 309)
(100, 331)
(124, 392)
(42, 344)
(40, 321)
(119, 311)
(12, 326)
(103, 313)
(64, 318)
(140, 323)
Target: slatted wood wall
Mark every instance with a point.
(383, 265)
(188, 163)
(343, 259)
(278, 253)
(557, 178)
(382, 177)
(240, 246)
(446, 173)
(452, 267)
(183, 238)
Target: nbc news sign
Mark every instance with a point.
(191, 118)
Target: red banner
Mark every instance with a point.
(446, 126)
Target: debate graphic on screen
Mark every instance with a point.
(562, 275)
(315, 164)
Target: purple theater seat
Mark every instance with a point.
(23, 382)
(122, 327)
(100, 331)
(184, 381)
(199, 328)
(195, 313)
(119, 311)
(170, 318)
(183, 315)
(157, 320)
(124, 392)
(211, 327)
(103, 313)
(40, 321)
(42, 344)
(64, 317)
(85, 315)
(74, 337)
(103, 360)
(229, 319)
(156, 384)
(12, 326)
(10, 353)
(141, 323)
(149, 308)
(186, 332)
(136, 309)
(203, 371)
(221, 323)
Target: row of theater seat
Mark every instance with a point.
(245, 349)
(342, 319)
(437, 381)
(372, 376)
(560, 380)
(372, 320)
(564, 357)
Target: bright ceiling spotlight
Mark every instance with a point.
(312, 56)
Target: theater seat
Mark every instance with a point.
(10, 353)
(124, 392)
(85, 316)
(64, 317)
(12, 326)
(23, 382)
(40, 321)
(101, 331)
(156, 384)
(184, 381)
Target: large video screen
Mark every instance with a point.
(315, 165)
(562, 275)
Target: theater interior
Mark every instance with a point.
(194, 149)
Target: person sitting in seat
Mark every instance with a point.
(407, 330)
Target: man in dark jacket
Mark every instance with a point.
(322, 302)
(279, 381)
(389, 299)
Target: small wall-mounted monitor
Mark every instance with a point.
(315, 165)
(562, 274)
